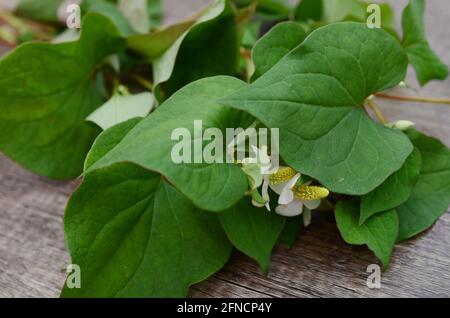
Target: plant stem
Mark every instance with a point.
(13, 21)
(415, 99)
(142, 81)
(377, 111)
(7, 36)
(249, 66)
(245, 53)
(24, 26)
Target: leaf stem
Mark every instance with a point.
(249, 66)
(246, 54)
(415, 99)
(23, 26)
(142, 81)
(7, 36)
(377, 111)
(13, 21)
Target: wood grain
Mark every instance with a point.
(33, 253)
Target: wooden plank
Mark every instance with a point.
(322, 265)
(32, 248)
(33, 252)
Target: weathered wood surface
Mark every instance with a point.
(33, 253)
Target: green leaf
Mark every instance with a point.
(344, 10)
(378, 233)
(251, 33)
(210, 48)
(330, 11)
(394, 191)
(278, 42)
(388, 19)
(154, 44)
(108, 139)
(309, 10)
(322, 12)
(43, 109)
(134, 235)
(274, 9)
(248, 27)
(314, 95)
(291, 231)
(42, 10)
(155, 11)
(212, 187)
(111, 11)
(426, 63)
(120, 108)
(254, 231)
(430, 197)
(189, 51)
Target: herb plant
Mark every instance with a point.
(104, 104)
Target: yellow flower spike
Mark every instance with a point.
(282, 175)
(310, 193)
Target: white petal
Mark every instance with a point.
(293, 181)
(253, 174)
(314, 204)
(274, 165)
(278, 188)
(263, 157)
(266, 169)
(401, 124)
(306, 217)
(254, 152)
(286, 197)
(265, 191)
(293, 209)
(265, 188)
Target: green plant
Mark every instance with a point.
(141, 225)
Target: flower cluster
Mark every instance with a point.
(295, 198)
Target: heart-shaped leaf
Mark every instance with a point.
(273, 46)
(341, 10)
(379, 232)
(110, 10)
(191, 50)
(213, 187)
(134, 235)
(291, 231)
(154, 44)
(274, 9)
(253, 231)
(394, 191)
(156, 12)
(309, 10)
(243, 223)
(430, 197)
(315, 13)
(47, 93)
(315, 96)
(42, 10)
(108, 139)
(427, 64)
